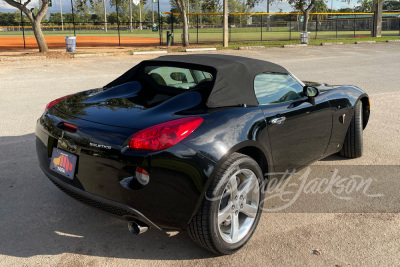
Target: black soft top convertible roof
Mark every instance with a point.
(234, 82)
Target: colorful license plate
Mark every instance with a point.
(63, 162)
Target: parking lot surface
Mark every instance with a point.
(40, 225)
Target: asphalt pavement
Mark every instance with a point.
(40, 225)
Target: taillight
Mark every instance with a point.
(58, 100)
(164, 135)
(70, 127)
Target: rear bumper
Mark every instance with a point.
(105, 179)
(115, 208)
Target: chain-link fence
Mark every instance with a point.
(208, 28)
(262, 27)
(90, 34)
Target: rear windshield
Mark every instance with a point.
(183, 78)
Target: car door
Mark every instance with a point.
(299, 131)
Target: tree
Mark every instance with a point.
(377, 8)
(320, 7)
(181, 7)
(364, 6)
(391, 5)
(112, 18)
(305, 6)
(210, 6)
(239, 6)
(123, 9)
(82, 11)
(180, 4)
(35, 18)
(345, 10)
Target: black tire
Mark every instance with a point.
(353, 143)
(204, 228)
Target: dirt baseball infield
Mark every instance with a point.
(16, 43)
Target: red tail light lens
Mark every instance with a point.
(70, 127)
(58, 100)
(164, 135)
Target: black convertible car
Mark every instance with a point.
(184, 142)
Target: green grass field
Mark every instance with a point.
(204, 35)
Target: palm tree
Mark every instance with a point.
(320, 7)
(365, 6)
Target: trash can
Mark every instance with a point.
(169, 38)
(70, 42)
(304, 37)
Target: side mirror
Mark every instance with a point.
(311, 93)
(178, 76)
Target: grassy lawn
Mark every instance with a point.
(204, 35)
(236, 45)
(213, 36)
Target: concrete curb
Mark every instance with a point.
(250, 47)
(294, 45)
(149, 52)
(337, 43)
(22, 58)
(200, 49)
(93, 55)
(392, 41)
(365, 42)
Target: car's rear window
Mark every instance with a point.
(177, 77)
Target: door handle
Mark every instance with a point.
(279, 120)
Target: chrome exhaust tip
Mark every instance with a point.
(136, 228)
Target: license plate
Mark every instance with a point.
(63, 162)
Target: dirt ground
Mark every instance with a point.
(16, 43)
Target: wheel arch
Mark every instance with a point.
(252, 149)
(249, 148)
(366, 105)
(256, 154)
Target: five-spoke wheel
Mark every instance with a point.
(238, 206)
(231, 209)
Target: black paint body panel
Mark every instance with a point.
(179, 175)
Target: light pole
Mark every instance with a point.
(225, 35)
(105, 15)
(140, 16)
(130, 14)
(62, 21)
(267, 16)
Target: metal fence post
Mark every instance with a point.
(336, 25)
(159, 22)
(290, 27)
(229, 29)
(119, 37)
(316, 28)
(355, 25)
(197, 28)
(172, 28)
(261, 27)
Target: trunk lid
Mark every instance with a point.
(128, 106)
